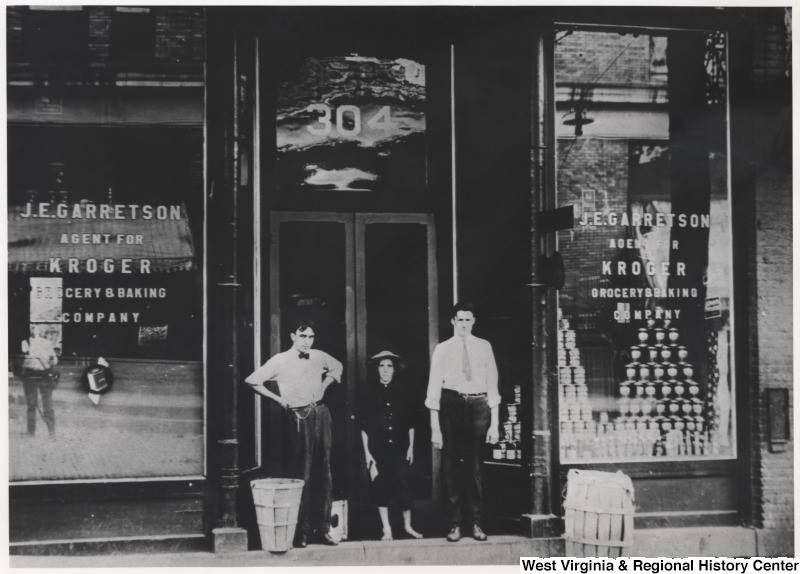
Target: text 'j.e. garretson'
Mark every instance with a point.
(83, 211)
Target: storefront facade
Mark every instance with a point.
(584, 177)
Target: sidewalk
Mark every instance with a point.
(498, 550)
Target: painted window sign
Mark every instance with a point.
(352, 123)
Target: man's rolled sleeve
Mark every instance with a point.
(333, 368)
(265, 372)
(435, 381)
(492, 394)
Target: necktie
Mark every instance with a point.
(303, 355)
(465, 366)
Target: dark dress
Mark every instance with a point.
(386, 416)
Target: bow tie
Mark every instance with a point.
(303, 355)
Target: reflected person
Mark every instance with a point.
(39, 378)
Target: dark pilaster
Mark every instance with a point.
(223, 190)
(541, 520)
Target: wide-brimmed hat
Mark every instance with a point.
(397, 359)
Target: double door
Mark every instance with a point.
(368, 281)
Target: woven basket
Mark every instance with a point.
(598, 513)
(277, 503)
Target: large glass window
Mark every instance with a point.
(645, 329)
(105, 272)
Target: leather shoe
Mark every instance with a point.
(454, 535)
(328, 540)
(478, 533)
(300, 541)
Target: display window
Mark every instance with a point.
(105, 241)
(645, 323)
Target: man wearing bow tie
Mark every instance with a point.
(302, 375)
(463, 400)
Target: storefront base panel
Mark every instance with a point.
(68, 518)
(685, 519)
(716, 541)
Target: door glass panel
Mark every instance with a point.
(351, 123)
(645, 325)
(396, 302)
(312, 273)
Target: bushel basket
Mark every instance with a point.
(277, 503)
(598, 513)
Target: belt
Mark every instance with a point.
(466, 395)
(308, 406)
(302, 413)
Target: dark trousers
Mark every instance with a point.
(311, 461)
(34, 385)
(464, 422)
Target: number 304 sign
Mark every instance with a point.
(346, 120)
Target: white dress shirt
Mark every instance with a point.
(299, 380)
(447, 370)
(41, 354)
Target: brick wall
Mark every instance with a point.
(601, 166)
(605, 58)
(773, 309)
(772, 47)
(763, 158)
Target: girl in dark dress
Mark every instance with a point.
(387, 433)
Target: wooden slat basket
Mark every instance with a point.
(277, 503)
(598, 513)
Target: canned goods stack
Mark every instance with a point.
(574, 407)
(505, 450)
(660, 408)
(660, 392)
(509, 446)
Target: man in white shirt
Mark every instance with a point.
(38, 378)
(463, 400)
(302, 375)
